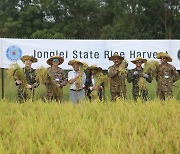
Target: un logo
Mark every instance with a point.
(13, 53)
(178, 54)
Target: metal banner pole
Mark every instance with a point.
(2, 80)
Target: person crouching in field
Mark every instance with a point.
(166, 76)
(117, 79)
(94, 84)
(26, 82)
(76, 79)
(57, 79)
(135, 75)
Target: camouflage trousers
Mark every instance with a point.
(23, 96)
(115, 95)
(162, 95)
(50, 97)
(140, 94)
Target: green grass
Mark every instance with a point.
(11, 89)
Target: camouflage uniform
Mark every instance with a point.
(59, 77)
(117, 83)
(166, 76)
(135, 79)
(31, 80)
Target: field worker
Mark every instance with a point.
(134, 76)
(94, 84)
(166, 76)
(58, 79)
(76, 79)
(26, 91)
(117, 81)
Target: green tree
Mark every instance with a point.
(90, 19)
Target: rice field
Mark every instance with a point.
(98, 127)
(120, 127)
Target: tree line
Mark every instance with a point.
(90, 19)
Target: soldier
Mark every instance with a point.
(92, 83)
(166, 76)
(76, 79)
(58, 79)
(117, 80)
(30, 74)
(134, 75)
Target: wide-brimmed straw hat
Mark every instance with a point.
(165, 55)
(71, 62)
(116, 56)
(143, 60)
(27, 57)
(94, 67)
(50, 60)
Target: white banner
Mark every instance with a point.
(89, 51)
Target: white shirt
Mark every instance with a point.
(73, 74)
(93, 80)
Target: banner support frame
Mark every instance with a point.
(2, 81)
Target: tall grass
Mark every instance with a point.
(120, 127)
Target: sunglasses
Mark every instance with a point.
(56, 60)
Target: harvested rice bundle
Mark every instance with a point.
(17, 73)
(142, 83)
(123, 68)
(101, 78)
(94, 94)
(44, 77)
(151, 67)
(78, 82)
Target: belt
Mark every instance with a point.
(76, 90)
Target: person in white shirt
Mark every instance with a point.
(76, 79)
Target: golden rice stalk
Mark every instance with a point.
(151, 67)
(78, 82)
(142, 84)
(17, 73)
(123, 68)
(101, 78)
(94, 94)
(44, 77)
(84, 66)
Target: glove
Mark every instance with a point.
(136, 73)
(18, 81)
(145, 75)
(28, 86)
